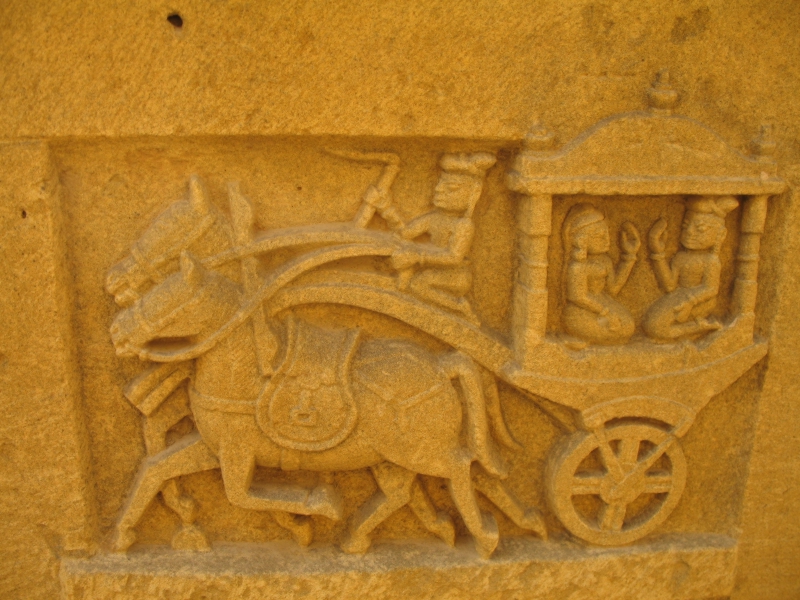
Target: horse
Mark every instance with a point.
(337, 402)
(196, 225)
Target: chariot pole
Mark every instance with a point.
(242, 219)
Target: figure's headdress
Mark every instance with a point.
(579, 216)
(474, 166)
(713, 205)
(469, 164)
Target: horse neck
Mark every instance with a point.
(216, 240)
(230, 368)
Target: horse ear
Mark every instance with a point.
(197, 195)
(191, 269)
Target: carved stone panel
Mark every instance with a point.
(474, 339)
(400, 363)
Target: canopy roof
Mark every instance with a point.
(644, 153)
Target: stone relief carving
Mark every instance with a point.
(591, 280)
(267, 388)
(691, 280)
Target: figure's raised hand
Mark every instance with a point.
(629, 238)
(658, 236)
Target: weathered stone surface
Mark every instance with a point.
(687, 567)
(275, 273)
(47, 502)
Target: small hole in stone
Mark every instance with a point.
(176, 20)
(24, 214)
(299, 188)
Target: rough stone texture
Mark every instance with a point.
(46, 501)
(107, 111)
(690, 568)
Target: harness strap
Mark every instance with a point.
(270, 287)
(206, 402)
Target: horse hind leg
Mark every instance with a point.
(189, 455)
(529, 519)
(483, 527)
(394, 492)
(298, 525)
(438, 523)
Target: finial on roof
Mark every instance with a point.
(538, 139)
(763, 146)
(661, 97)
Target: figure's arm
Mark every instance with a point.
(709, 288)
(629, 243)
(666, 275)
(415, 253)
(454, 254)
(618, 277)
(578, 289)
(416, 227)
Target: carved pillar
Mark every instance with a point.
(754, 214)
(529, 316)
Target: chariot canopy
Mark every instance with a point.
(645, 153)
(651, 152)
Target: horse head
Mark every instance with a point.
(186, 307)
(192, 224)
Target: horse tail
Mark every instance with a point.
(496, 419)
(484, 450)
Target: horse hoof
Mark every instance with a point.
(444, 529)
(325, 500)
(355, 544)
(190, 537)
(302, 531)
(486, 542)
(123, 540)
(532, 521)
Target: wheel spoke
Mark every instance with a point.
(628, 452)
(657, 483)
(613, 516)
(587, 484)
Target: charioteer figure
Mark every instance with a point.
(444, 275)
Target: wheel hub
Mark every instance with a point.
(625, 491)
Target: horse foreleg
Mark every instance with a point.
(504, 499)
(483, 527)
(189, 536)
(394, 485)
(238, 466)
(189, 455)
(298, 525)
(439, 523)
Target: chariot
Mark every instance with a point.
(621, 471)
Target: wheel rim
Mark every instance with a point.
(610, 504)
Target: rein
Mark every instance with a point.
(167, 319)
(273, 284)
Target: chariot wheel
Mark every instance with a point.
(614, 492)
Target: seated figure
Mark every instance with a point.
(443, 274)
(691, 279)
(591, 314)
